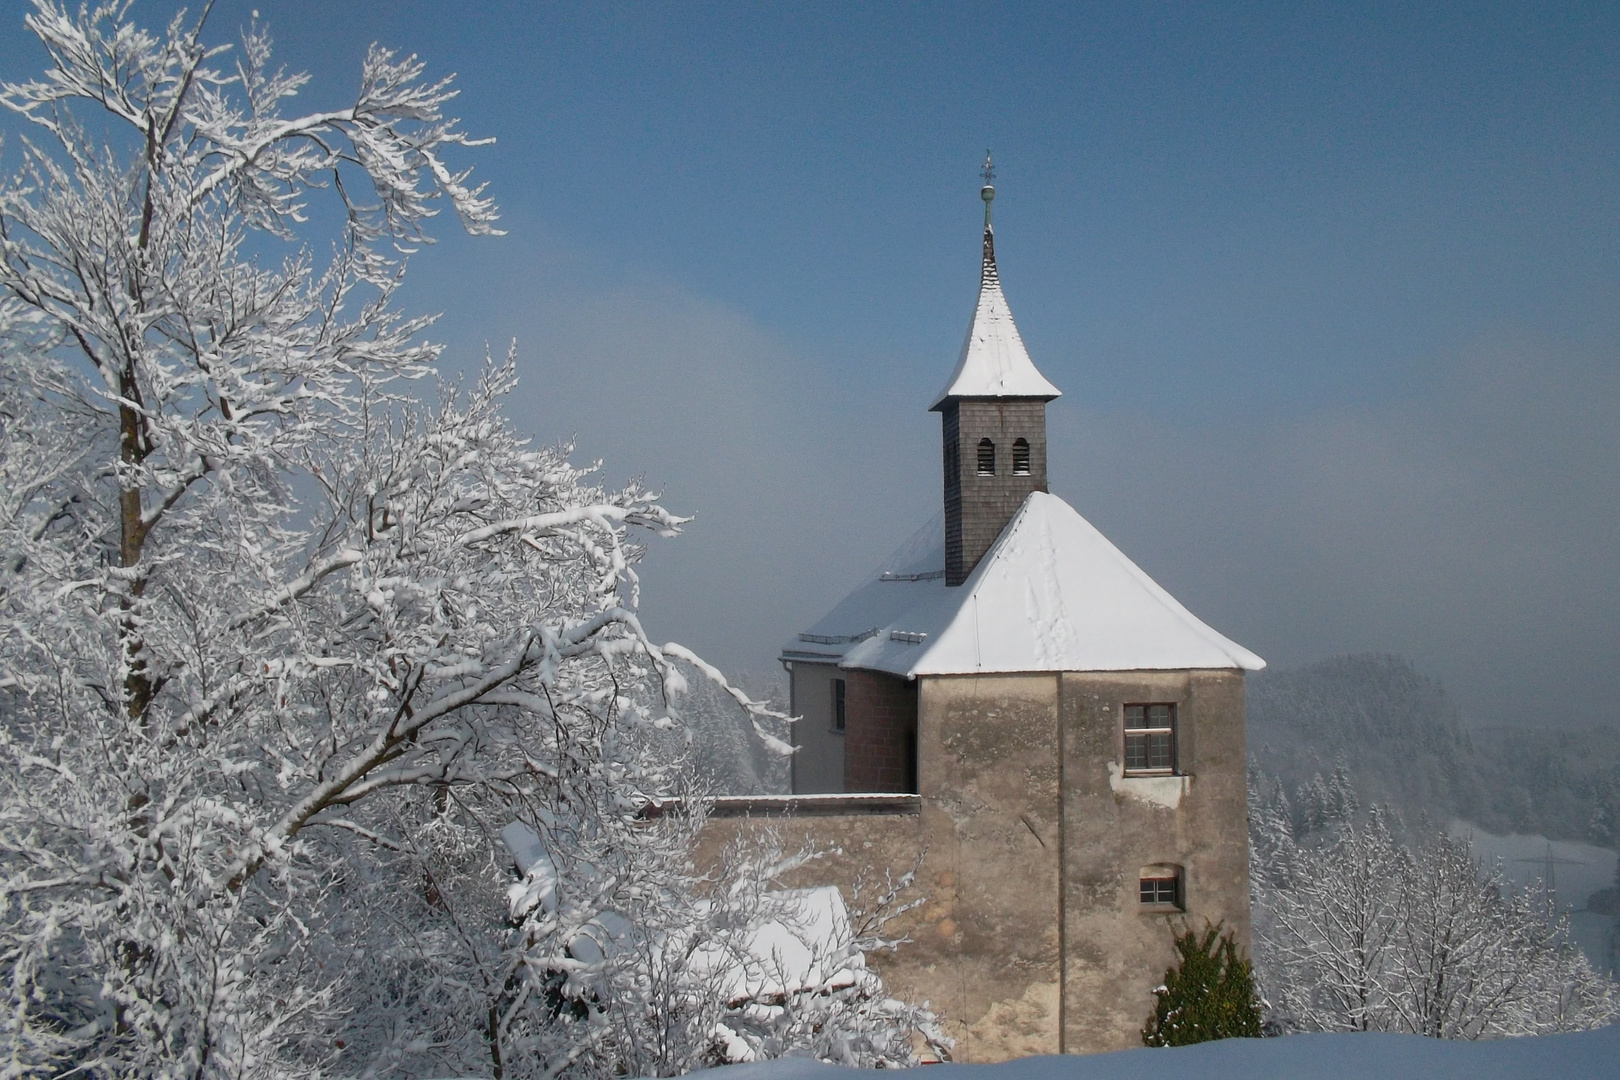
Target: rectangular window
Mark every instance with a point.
(1161, 887)
(1150, 738)
(838, 704)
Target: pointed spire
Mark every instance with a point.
(988, 276)
(993, 362)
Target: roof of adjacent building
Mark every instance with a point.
(1052, 594)
(994, 362)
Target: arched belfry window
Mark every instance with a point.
(1021, 457)
(987, 458)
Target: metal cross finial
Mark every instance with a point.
(987, 192)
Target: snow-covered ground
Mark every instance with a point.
(1579, 870)
(1297, 1057)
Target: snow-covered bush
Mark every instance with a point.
(289, 629)
(1356, 931)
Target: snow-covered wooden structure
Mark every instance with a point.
(1060, 739)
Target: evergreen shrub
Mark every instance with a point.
(1209, 995)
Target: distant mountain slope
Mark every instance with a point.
(1390, 728)
(1561, 780)
(1402, 743)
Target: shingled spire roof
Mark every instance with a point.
(994, 362)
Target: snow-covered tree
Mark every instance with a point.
(1357, 932)
(729, 758)
(289, 629)
(658, 971)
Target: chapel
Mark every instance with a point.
(1014, 706)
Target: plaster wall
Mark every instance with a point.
(1115, 950)
(1032, 939)
(988, 757)
(984, 945)
(818, 765)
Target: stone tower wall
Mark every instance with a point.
(1115, 950)
(977, 507)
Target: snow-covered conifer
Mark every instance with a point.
(1208, 995)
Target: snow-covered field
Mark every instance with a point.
(1298, 1057)
(1578, 870)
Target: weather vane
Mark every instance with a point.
(987, 192)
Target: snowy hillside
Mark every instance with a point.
(1297, 1057)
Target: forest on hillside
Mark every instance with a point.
(1394, 735)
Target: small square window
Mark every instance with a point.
(1150, 738)
(838, 704)
(1160, 887)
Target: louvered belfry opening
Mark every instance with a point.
(979, 499)
(1020, 457)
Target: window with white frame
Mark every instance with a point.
(838, 704)
(1150, 738)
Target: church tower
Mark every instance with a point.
(993, 414)
(1013, 707)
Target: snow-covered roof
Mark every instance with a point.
(994, 362)
(1052, 594)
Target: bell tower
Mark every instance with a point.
(993, 416)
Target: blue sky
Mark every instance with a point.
(1331, 291)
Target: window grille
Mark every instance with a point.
(838, 705)
(1021, 457)
(1160, 887)
(1150, 738)
(987, 458)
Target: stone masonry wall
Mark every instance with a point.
(880, 736)
(977, 507)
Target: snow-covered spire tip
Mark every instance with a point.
(993, 362)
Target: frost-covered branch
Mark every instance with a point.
(1357, 932)
(290, 627)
